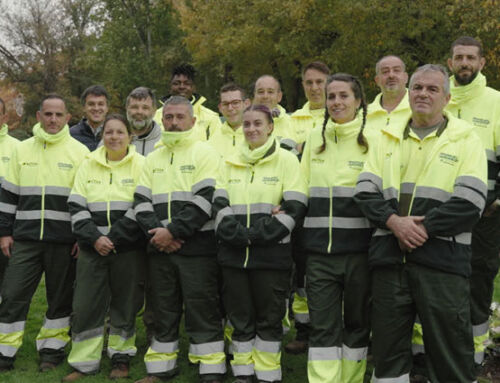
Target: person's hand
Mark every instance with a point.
(174, 246)
(75, 250)
(277, 210)
(6, 244)
(492, 208)
(103, 245)
(409, 231)
(162, 238)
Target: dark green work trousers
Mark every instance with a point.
(442, 302)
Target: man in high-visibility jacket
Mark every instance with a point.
(423, 188)
(35, 232)
(474, 102)
(7, 147)
(173, 206)
(182, 83)
(390, 106)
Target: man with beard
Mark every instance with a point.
(473, 101)
(140, 111)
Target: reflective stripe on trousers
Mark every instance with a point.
(161, 357)
(210, 356)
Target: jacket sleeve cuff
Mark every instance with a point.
(173, 230)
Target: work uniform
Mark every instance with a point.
(335, 238)
(378, 118)
(34, 211)
(100, 204)
(207, 121)
(84, 133)
(479, 105)
(175, 191)
(255, 251)
(443, 178)
(7, 147)
(227, 140)
(306, 119)
(284, 129)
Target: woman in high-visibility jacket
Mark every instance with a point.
(110, 244)
(254, 243)
(335, 237)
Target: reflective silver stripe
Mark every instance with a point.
(221, 214)
(342, 191)
(354, 354)
(203, 184)
(143, 207)
(366, 187)
(144, 191)
(164, 347)
(160, 366)
(407, 187)
(267, 346)
(48, 214)
(209, 225)
(243, 369)
(222, 193)
(242, 347)
(480, 329)
(491, 155)
(86, 367)
(255, 208)
(287, 239)
(30, 190)
(165, 222)
(302, 318)
(370, 177)
(124, 335)
(78, 199)
(57, 190)
(432, 192)
(417, 349)
(269, 375)
(491, 184)
(104, 230)
(295, 196)
(160, 198)
(337, 222)
(8, 208)
(56, 323)
(89, 334)
(462, 238)
(286, 221)
(472, 182)
(390, 193)
(219, 368)
(288, 142)
(181, 196)
(203, 204)
(325, 353)
(8, 328)
(381, 232)
(319, 192)
(130, 351)
(52, 343)
(400, 379)
(206, 348)
(130, 214)
(8, 351)
(498, 151)
(113, 205)
(479, 357)
(470, 195)
(10, 187)
(80, 216)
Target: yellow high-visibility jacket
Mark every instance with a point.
(101, 200)
(249, 235)
(305, 120)
(479, 105)
(442, 177)
(36, 188)
(7, 147)
(226, 140)
(378, 118)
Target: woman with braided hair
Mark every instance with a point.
(336, 236)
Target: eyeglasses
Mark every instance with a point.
(234, 103)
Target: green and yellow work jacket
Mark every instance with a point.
(226, 141)
(378, 118)
(101, 200)
(175, 191)
(479, 105)
(442, 177)
(334, 224)
(305, 120)
(33, 202)
(7, 146)
(249, 235)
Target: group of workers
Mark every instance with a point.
(387, 213)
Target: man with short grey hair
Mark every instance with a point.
(423, 188)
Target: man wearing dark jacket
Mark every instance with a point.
(95, 108)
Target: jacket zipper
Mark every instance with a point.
(42, 213)
(247, 252)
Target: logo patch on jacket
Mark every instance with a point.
(64, 166)
(449, 159)
(5, 159)
(481, 122)
(187, 168)
(270, 180)
(234, 181)
(318, 161)
(355, 164)
(30, 164)
(128, 182)
(158, 170)
(94, 182)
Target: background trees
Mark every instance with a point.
(67, 45)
